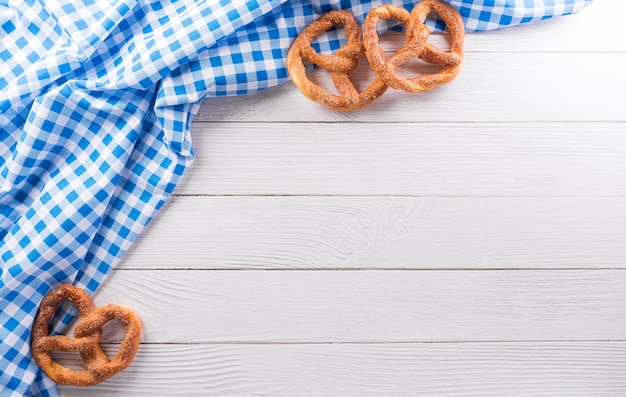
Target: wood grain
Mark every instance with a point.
(426, 159)
(556, 369)
(503, 87)
(206, 232)
(372, 306)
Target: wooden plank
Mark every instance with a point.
(271, 232)
(552, 369)
(372, 306)
(506, 87)
(594, 29)
(473, 159)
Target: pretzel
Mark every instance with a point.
(344, 60)
(417, 45)
(86, 341)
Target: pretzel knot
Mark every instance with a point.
(86, 341)
(344, 60)
(417, 45)
(346, 57)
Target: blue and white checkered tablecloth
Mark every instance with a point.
(96, 99)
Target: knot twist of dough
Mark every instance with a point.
(417, 45)
(344, 60)
(86, 341)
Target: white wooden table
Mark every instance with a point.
(469, 241)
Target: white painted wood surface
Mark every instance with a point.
(409, 159)
(337, 232)
(373, 306)
(469, 241)
(556, 369)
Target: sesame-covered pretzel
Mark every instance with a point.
(340, 64)
(417, 45)
(86, 339)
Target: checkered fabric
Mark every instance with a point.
(96, 100)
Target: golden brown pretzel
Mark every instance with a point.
(417, 45)
(86, 339)
(340, 64)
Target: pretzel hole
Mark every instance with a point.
(69, 360)
(389, 25)
(67, 312)
(113, 332)
(362, 76)
(441, 40)
(329, 41)
(322, 78)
